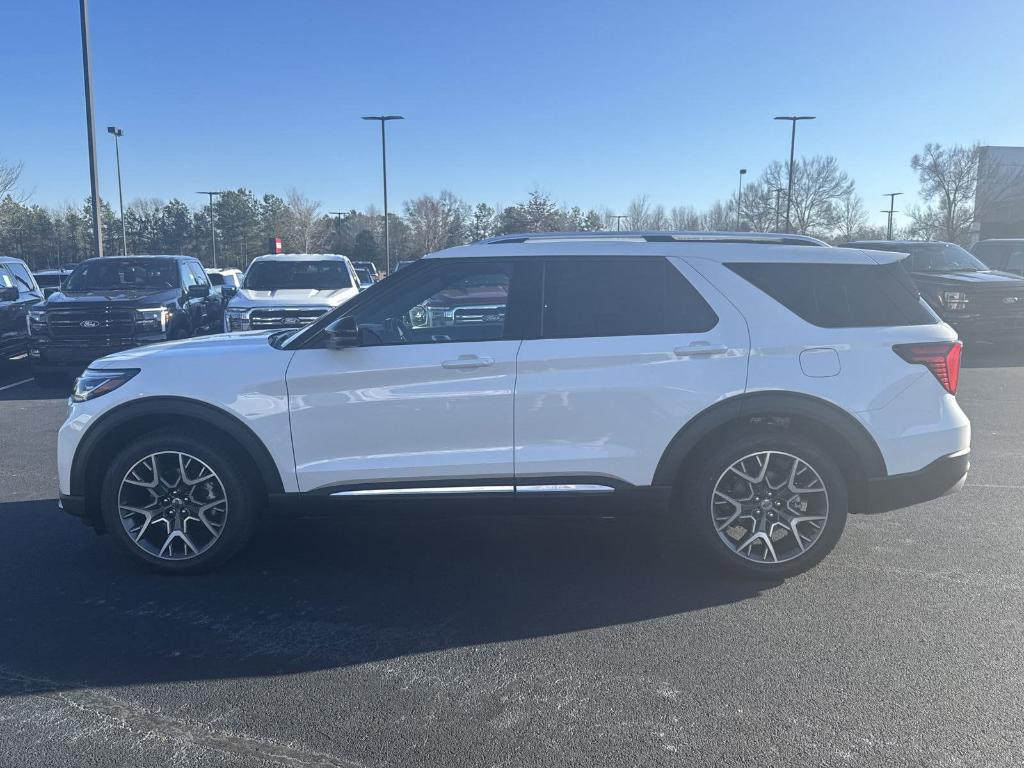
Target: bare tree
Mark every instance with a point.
(685, 217)
(852, 216)
(948, 178)
(437, 222)
(639, 213)
(303, 229)
(10, 173)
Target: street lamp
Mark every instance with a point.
(94, 179)
(337, 218)
(213, 225)
(384, 164)
(792, 147)
(892, 202)
(118, 133)
(739, 198)
(618, 222)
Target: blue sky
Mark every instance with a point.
(593, 102)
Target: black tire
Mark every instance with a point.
(243, 506)
(695, 494)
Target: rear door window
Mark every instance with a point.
(608, 296)
(841, 295)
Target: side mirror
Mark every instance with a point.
(48, 292)
(9, 293)
(198, 291)
(343, 333)
(227, 291)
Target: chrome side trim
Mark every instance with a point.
(565, 488)
(427, 490)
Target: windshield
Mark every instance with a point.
(277, 275)
(110, 274)
(942, 257)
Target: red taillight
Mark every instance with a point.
(942, 358)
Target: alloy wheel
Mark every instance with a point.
(172, 505)
(769, 507)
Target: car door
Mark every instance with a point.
(14, 314)
(425, 400)
(629, 351)
(211, 305)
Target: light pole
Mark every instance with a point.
(213, 225)
(778, 205)
(739, 198)
(892, 202)
(337, 218)
(97, 226)
(792, 148)
(618, 222)
(118, 133)
(384, 164)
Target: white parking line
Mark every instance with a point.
(15, 384)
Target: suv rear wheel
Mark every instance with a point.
(178, 502)
(767, 505)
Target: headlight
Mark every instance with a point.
(152, 318)
(236, 319)
(92, 384)
(37, 315)
(954, 300)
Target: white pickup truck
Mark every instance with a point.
(289, 290)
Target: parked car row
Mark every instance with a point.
(65, 318)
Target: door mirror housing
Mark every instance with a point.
(342, 333)
(198, 291)
(9, 293)
(227, 291)
(48, 292)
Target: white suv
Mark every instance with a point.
(289, 290)
(754, 389)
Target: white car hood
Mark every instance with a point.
(292, 297)
(213, 347)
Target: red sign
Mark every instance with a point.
(275, 245)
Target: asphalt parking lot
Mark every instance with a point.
(507, 643)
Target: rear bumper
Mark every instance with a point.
(943, 476)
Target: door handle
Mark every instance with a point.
(468, 361)
(700, 348)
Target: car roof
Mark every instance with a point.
(11, 260)
(721, 247)
(860, 243)
(175, 256)
(301, 257)
(1001, 240)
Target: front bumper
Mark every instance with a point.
(67, 356)
(943, 476)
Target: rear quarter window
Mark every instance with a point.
(841, 295)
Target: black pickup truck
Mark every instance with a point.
(982, 304)
(113, 303)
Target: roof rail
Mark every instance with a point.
(764, 238)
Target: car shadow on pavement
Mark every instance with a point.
(313, 594)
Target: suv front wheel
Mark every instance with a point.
(767, 505)
(178, 502)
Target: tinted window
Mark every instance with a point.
(216, 278)
(842, 295)
(453, 301)
(111, 274)
(1008, 256)
(620, 297)
(276, 275)
(198, 273)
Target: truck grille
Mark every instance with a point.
(91, 323)
(477, 315)
(996, 303)
(282, 317)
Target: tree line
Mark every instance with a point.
(825, 204)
